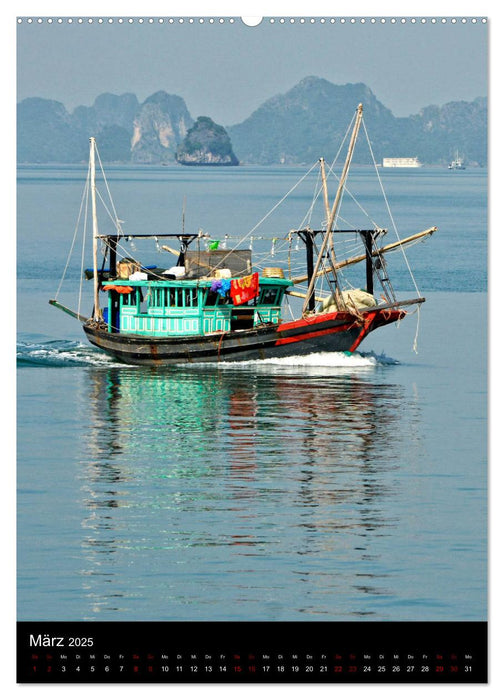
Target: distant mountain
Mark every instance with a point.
(46, 133)
(107, 110)
(298, 126)
(125, 130)
(455, 126)
(206, 143)
(307, 122)
(311, 119)
(160, 125)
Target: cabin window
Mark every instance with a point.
(158, 297)
(269, 296)
(129, 299)
(210, 298)
(191, 297)
(214, 299)
(161, 297)
(173, 297)
(144, 294)
(178, 297)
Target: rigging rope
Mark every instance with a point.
(308, 216)
(84, 198)
(247, 235)
(388, 209)
(355, 202)
(415, 342)
(114, 218)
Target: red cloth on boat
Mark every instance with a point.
(244, 289)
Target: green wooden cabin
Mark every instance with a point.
(188, 307)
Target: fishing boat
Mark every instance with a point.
(457, 163)
(214, 304)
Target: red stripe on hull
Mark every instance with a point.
(314, 334)
(366, 326)
(313, 320)
(343, 321)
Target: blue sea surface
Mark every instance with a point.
(332, 487)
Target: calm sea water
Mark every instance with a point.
(329, 487)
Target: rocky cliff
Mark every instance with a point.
(206, 143)
(158, 128)
(298, 126)
(125, 130)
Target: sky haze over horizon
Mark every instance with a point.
(227, 70)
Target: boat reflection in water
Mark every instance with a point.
(240, 493)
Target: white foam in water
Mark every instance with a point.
(323, 359)
(315, 361)
(61, 353)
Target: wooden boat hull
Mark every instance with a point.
(337, 331)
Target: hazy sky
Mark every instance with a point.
(226, 70)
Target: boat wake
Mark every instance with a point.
(60, 353)
(315, 361)
(69, 353)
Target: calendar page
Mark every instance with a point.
(251, 349)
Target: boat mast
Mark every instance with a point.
(337, 200)
(332, 256)
(96, 309)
